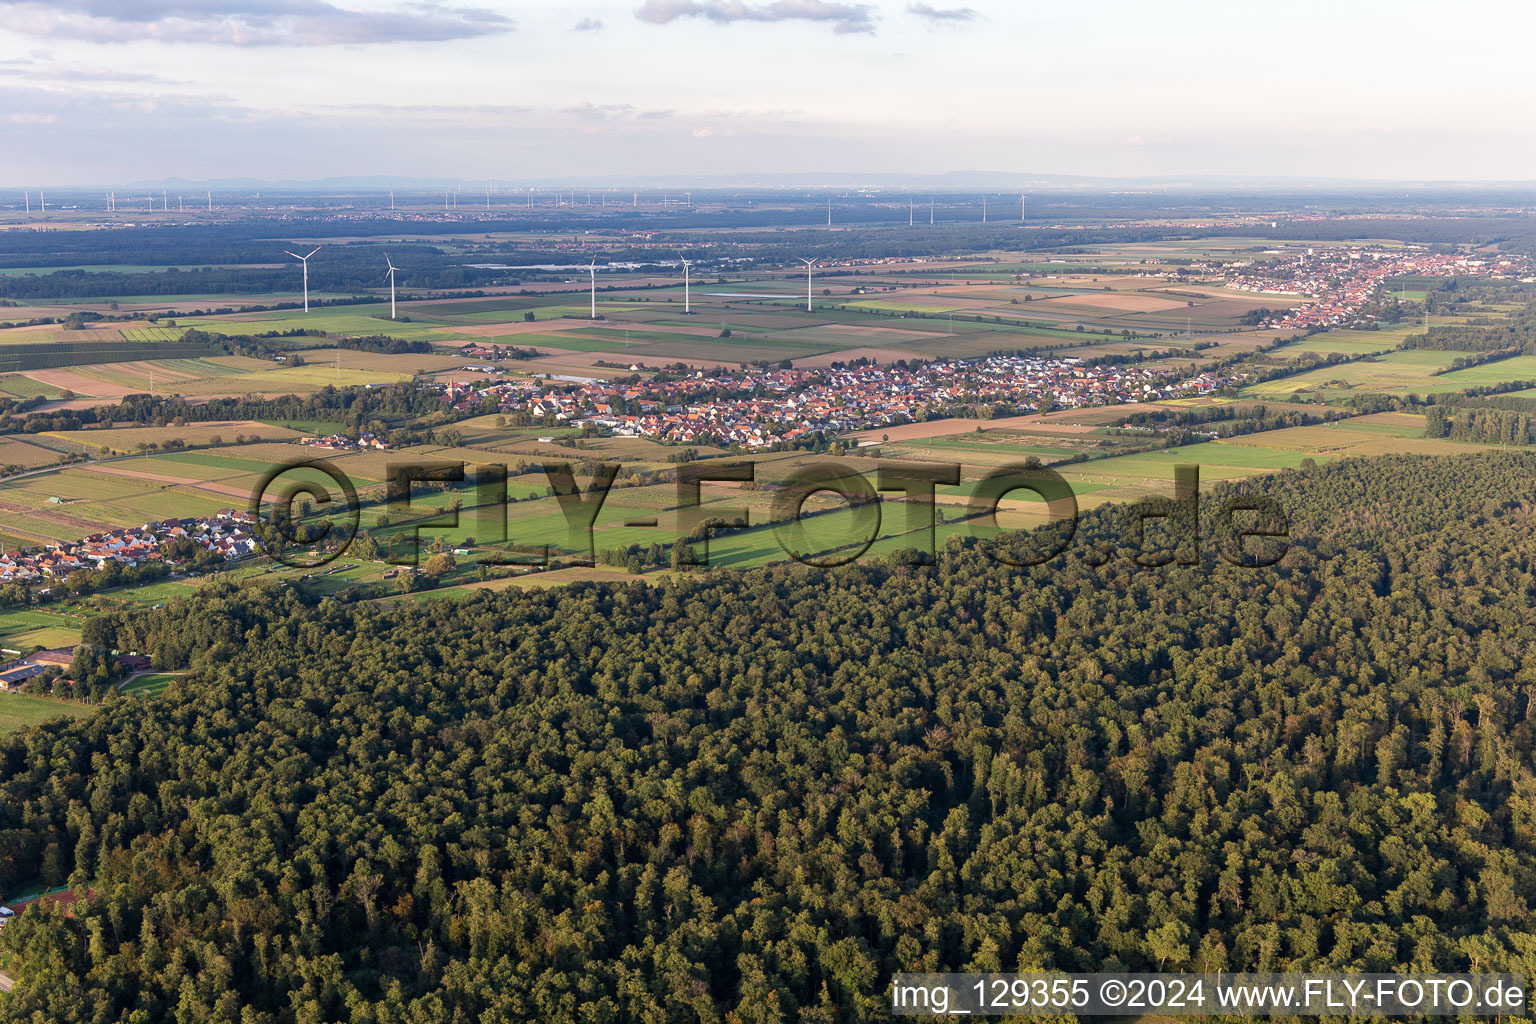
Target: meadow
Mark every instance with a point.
(22, 628)
(23, 710)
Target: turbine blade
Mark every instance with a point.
(315, 250)
(294, 255)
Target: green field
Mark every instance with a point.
(350, 324)
(21, 710)
(150, 685)
(1514, 368)
(1403, 371)
(1349, 343)
(21, 628)
(153, 333)
(18, 386)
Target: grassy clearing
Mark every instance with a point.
(22, 628)
(22, 710)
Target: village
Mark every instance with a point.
(228, 533)
(1337, 283)
(758, 408)
(343, 443)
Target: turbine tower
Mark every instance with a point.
(592, 270)
(305, 261)
(808, 265)
(687, 309)
(391, 278)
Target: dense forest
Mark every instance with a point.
(1486, 425)
(1499, 337)
(752, 796)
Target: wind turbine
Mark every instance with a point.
(391, 278)
(592, 270)
(808, 265)
(305, 260)
(687, 309)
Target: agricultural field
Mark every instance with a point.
(17, 385)
(1401, 371)
(153, 333)
(351, 324)
(16, 452)
(206, 377)
(130, 439)
(1349, 343)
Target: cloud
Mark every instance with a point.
(933, 13)
(589, 25)
(40, 73)
(846, 18)
(248, 22)
(613, 112)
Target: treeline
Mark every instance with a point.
(383, 343)
(348, 272)
(755, 796)
(1477, 359)
(352, 407)
(1489, 426)
(1233, 420)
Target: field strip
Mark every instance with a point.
(162, 478)
(63, 519)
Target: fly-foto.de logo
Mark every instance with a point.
(311, 513)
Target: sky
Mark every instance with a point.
(104, 91)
